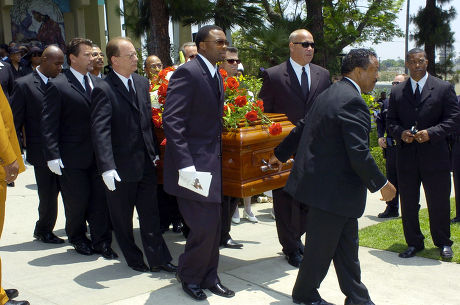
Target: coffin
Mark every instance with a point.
(245, 151)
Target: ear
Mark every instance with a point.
(72, 58)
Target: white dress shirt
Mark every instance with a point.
(81, 78)
(420, 83)
(298, 71)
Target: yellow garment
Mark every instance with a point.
(9, 152)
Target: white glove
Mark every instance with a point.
(157, 159)
(109, 178)
(55, 166)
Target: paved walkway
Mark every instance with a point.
(50, 275)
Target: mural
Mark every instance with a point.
(40, 20)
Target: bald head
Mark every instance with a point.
(52, 61)
(301, 46)
(152, 66)
(300, 32)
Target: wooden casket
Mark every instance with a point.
(245, 152)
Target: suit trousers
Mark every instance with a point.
(167, 207)
(291, 220)
(330, 237)
(229, 205)
(3, 296)
(437, 192)
(48, 191)
(84, 200)
(198, 264)
(142, 195)
(456, 171)
(392, 175)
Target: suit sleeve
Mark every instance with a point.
(50, 122)
(266, 93)
(18, 107)
(101, 129)
(355, 124)
(289, 145)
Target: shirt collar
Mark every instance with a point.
(79, 76)
(212, 69)
(420, 83)
(42, 76)
(298, 67)
(125, 80)
(354, 84)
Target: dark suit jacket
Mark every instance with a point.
(27, 105)
(7, 79)
(333, 164)
(65, 122)
(281, 91)
(122, 129)
(438, 113)
(192, 123)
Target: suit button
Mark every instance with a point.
(219, 156)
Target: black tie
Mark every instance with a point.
(304, 83)
(87, 86)
(216, 80)
(418, 96)
(132, 93)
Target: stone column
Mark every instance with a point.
(94, 16)
(5, 35)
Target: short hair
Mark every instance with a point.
(357, 58)
(73, 47)
(415, 51)
(112, 48)
(232, 50)
(187, 44)
(203, 33)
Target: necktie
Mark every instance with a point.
(216, 80)
(87, 86)
(132, 93)
(418, 96)
(304, 83)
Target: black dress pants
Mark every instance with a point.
(167, 207)
(392, 174)
(330, 237)
(48, 191)
(456, 170)
(228, 208)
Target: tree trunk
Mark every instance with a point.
(158, 34)
(315, 23)
(430, 46)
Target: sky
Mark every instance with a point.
(395, 49)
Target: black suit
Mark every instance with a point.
(281, 93)
(27, 104)
(192, 123)
(427, 163)
(66, 133)
(6, 79)
(456, 167)
(122, 133)
(333, 167)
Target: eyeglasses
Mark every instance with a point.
(95, 54)
(131, 55)
(232, 61)
(159, 66)
(219, 42)
(395, 83)
(306, 44)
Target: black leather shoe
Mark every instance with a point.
(168, 267)
(222, 291)
(294, 259)
(230, 243)
(322, 302)
(48, 238)
(106, 251)
(13, 302)
(301, 247)
(194, 291)
(11, 293)
(349, 302)
(455, 220)
(410, 252)
(83, 247)
(177, 227)
(388, 213)
(140, 268)
(446, 252)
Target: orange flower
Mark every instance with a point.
(157, 121)
(223, 73)
(251, 116)
(275, 129)
(232, 83)
(225, 109)
(260, 104)
(240, 100)
(163, 89)
(232, 107)
(156, 111)
(162, 74)
(161, 100)
(163, 143)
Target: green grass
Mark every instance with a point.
(388, 235)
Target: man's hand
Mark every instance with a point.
(11, 171)
(274, 162)
(407, 136)
(382, 142)
(422, 136)
(388, 192)
(55, 166)
(109, 178)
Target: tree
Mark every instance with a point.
(433, 30)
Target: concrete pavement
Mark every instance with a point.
(259, 274)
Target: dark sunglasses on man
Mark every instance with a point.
(306, 44)
(395, 83)
(232, 61)
(219, 42)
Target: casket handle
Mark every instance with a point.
(268, 167)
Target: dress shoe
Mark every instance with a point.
(410, 252)
(230, 243)
(349, 302)
(301, 247)
(13, 302)
(177, 226)
(106, 251)
(446, 252)
(388, 213)
(168, 267)
(294, 259)
(222, 291)
(194, 291)
(321, 302)
(83, 247)
(249, 217)
(11, 184)
(48, 238)
(236, 220)
(140, 267)
(455, 220)
(11, 293)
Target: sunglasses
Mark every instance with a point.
(306, 44)
(395, 83)
(232, 61)
(219, 42)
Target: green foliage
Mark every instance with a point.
(377, 154)
(373, 138)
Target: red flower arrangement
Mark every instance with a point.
(158, 89)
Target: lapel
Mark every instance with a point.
(38, 82)
(427, 89)
(292, 80)
(208, 76)
(76, 85)
(121, 89)
(408, 93)
(314, 81)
